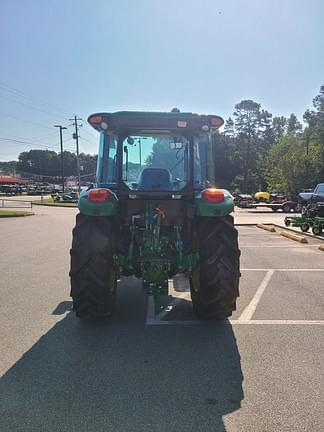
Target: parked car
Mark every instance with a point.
(306, 199)
(71, 197)
(243, 200)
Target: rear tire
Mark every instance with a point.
(215, 282)
(286, 208)
(304, 227)
(93, 277)
(297, 207)
(317, 230)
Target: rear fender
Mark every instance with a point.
(224, 208)
(105, 208)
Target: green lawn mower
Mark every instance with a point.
(312, 218)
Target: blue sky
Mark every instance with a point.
(60, 58)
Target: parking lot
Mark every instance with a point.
(262, 370)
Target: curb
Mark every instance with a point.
(17, 215)
(313, 236)
(294, 237)
(55, 205)
(266, 227)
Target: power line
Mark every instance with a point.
(83, 145)
(25, 142)
(43, 136)
(94, 138)
(93, 135)
(35, 140)
(26, 121)
(69, 139)
(24, 95)
(86, 139)
(31, 107)
(31, 139)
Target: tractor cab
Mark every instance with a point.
(155, 152)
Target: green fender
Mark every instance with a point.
(106, 208)
(224, 208)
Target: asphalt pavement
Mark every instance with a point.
(260, 371)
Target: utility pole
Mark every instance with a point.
(62, 159)
(76, 137)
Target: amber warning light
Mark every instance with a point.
(98, 195)
(213, 195)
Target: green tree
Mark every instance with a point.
(285, 165)
(296, 161)
(314, 133)
(42, 162)
(294, 127)
(70, 163)
(225, 160)
(8, 167)
(252, 127)
(279, 128)
(88, 163)
(48, 163)
(229, 128)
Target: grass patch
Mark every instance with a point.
(50, 202)
(14, 213)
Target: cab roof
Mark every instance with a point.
(157, 121)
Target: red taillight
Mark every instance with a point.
(98, 195)
(213, 195)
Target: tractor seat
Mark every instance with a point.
(155, 179)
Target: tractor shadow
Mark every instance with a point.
(121, 375)
(63, 307)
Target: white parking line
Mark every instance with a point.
(282, 270)
(250, 308)
(278, 322)
(288, 246)
(156, 322)
(170, 306)
(245, 317)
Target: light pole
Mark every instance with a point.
(76, 137)
(62, 160)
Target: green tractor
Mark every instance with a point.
(155, 213)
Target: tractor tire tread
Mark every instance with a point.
(93, 281)
(219, 268)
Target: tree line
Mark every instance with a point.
(48, 163)
(258, 151)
